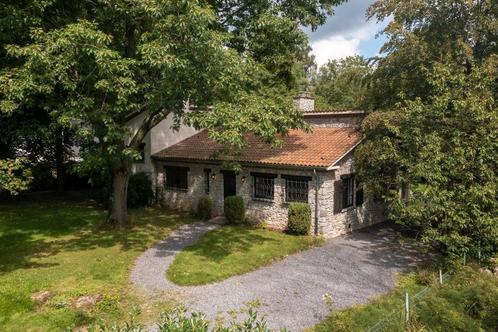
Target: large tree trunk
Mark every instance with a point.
(119, 209)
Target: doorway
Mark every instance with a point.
(229, 184)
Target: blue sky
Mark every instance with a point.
(347, 32)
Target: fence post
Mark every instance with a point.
(440, 276)
(407, 307)
(479, 253)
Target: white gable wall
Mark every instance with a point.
(159, 138)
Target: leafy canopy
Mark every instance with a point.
(439, 137)
(342, 84)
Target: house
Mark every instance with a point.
(316, 168)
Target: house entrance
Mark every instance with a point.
(229, 184)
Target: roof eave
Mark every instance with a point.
(243, 163)
(334, 165)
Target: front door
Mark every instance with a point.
(229, 184)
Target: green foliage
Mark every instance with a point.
(445, 149)
(239, 249)
(56, 245)
(440, 139)
(205, 208)
(467, 302)
(342, 84)
(234, 209)
(179, 320)
(15, 176)
(140, 191)
(299, 218)
(95, 63)
(426, 33)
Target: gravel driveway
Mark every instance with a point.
(352, 269)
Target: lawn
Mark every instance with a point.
(467, 302)
(56, 245)
(233, 250)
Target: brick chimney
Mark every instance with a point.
(304, 102)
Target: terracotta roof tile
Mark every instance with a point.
(320, 148)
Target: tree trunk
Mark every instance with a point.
(59, 159)
(119, 209)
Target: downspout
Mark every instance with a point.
(316, 202)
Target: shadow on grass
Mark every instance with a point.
(38, 228)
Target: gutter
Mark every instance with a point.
(243, 163)
(316, 201)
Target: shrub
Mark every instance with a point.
(180, 320)
(234, 209)
(205, 208)
(299, 221)
(140, 191)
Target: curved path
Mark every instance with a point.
(352, 269)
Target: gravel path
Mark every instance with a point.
(352, 269)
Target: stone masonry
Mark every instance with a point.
(272, 212)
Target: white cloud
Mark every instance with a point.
(343, 44)
(334, 47)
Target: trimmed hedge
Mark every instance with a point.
(234, 209)
(205, 208)
(299, 218)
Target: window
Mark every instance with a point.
(141, 150)
(359, 193)
(347, 191)
(405, 192)
(263, 185)
(176, 177)
(207, 173)
(296, 188)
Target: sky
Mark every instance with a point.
(346, 33)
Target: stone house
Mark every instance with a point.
(316, 168)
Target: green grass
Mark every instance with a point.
(467, 302)
(233, 250)
(55, 244)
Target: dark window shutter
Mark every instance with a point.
(337, 196)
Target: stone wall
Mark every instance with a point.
(335, 223)
(325, 120)
(274, 213)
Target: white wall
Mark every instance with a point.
(159, 138)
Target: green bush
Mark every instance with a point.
(234, 209)
(180, 320)
(205, 208)
(299, 218)
(140, 191)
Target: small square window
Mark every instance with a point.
(296, 188)
(176, 178)
(264, 187)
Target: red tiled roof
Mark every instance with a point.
(320, 148)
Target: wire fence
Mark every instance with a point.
(398, 319)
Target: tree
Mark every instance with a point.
(31, 133)
(15, 176)
(342, 83)
(435, 137)
(114, 59)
